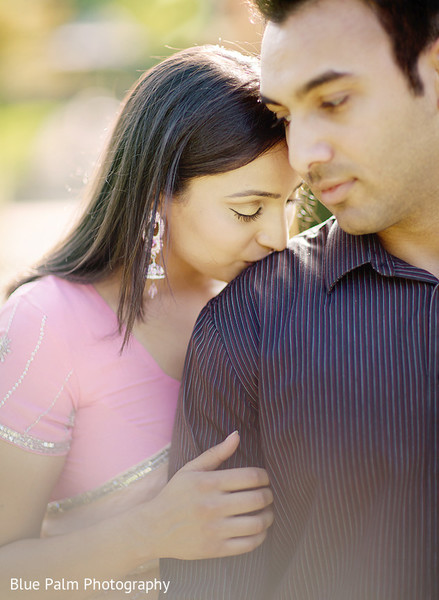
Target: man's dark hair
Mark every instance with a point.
(410, 24)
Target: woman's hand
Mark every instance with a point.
(200, 513)
(203, 513)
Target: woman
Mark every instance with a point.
(194, 186)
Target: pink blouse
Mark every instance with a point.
(65, 389)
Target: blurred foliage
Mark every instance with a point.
(171, 19)
(52, 49)
(309, 211)
(18, 125)
(37, 39)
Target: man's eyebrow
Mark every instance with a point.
(246, 193)
(326, 77)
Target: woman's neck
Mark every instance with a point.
(170, 315)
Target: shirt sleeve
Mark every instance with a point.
(218, 396)
(36, 380)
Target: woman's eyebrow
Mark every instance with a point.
(245, 193)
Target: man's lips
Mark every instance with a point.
(334, 192)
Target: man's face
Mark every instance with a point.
(355, 130)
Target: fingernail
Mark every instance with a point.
(236, 432)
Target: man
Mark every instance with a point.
(325, 357)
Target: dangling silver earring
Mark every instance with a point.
(155, 271)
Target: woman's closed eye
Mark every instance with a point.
(283, 119)
(247, 217)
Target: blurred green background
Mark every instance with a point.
(65, 65)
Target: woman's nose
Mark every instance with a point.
(274, 234)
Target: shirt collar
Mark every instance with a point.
(346, 252)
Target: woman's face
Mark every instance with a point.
(225, 222)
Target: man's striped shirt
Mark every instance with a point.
(325, 357)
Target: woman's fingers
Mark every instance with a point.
(203, 513)
(240, 503)
(229, 480)
(212, 458)
(247, 525)
(235, 546)
(243, 478)
(215, 504)
(237, 535)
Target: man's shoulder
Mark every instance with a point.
(302, 250)
(313, 238)
(275, 275)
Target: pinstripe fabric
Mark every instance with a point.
(326, 358)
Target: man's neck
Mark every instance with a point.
(417, 248)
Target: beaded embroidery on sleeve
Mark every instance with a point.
(24, 440)
(5, 342)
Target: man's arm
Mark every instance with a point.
(219, 395)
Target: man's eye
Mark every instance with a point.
(334, 103)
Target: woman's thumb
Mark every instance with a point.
(213, 457)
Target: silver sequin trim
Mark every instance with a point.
(5, 341)
(122, 481)
(43, 414)
(5, 347)
(28, 364)
(34, 444)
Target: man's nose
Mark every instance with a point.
(306, 146)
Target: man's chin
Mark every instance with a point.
(356, 225)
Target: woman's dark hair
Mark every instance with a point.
(410, 24)
(196, 113)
